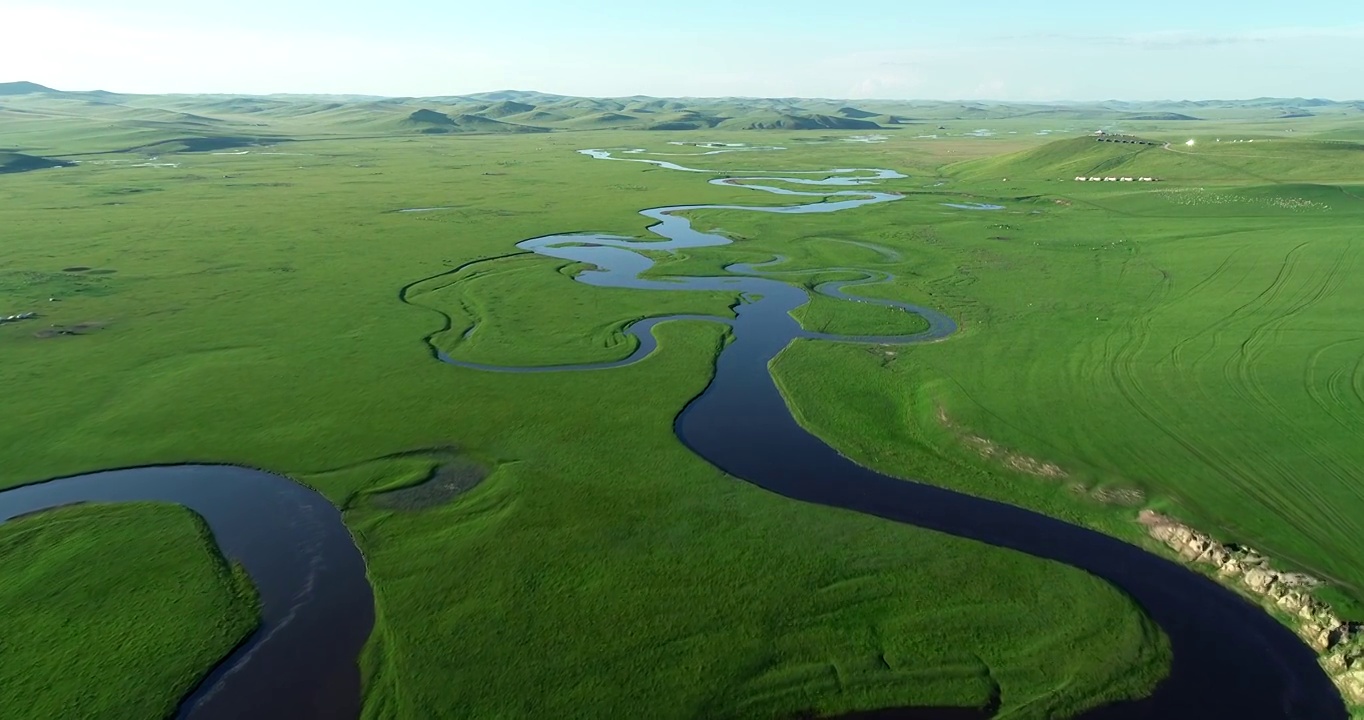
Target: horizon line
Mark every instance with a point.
(692, 97)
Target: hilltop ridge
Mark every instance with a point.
(24, 87)
(144, 121)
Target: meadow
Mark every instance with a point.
(113, 610)
(1203, 354)
(249, 308)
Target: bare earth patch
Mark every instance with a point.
(991, 450)
(83, 328)
(1018, 462)
(448, 481)
(1126, 497)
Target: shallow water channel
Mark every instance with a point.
(1231, 659)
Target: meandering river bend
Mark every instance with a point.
(1231, 659)
(317, 609)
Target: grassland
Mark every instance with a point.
(248, 311)
(113, 611)
(1195, 343)
(301, 307)
(830, 315)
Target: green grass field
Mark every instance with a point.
(113, 611)
(1191, 339)
(1196, 343)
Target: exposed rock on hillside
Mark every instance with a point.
(1339, 644)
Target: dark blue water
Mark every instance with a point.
(316, 606)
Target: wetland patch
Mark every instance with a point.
(974, 206)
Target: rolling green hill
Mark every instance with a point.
(1082, 156)
(24, 88)
(430, 118)
(603, 120)
(853, 112)
(1159, 116)
(788, 121)
(51, 122)
(434, 123)
(505, 108)
(536, 117)
(1268, 161)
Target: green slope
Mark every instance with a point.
(24, 88)
(604, 120)
(856, 113)
(1265, 160)
(1158, 116)
(505, 108)
(433, 122)
(774, 121)
(1082, 156)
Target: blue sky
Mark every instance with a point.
(1157, 49)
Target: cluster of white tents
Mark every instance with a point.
(17, 318)
(1082, 178)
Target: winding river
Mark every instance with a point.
(1231, 659)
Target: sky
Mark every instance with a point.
(900, 49)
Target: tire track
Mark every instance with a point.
(1338, 395)
(1239, 470)
(1251, 389)
(1358, 382)
(1312, 507)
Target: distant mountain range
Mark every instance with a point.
(214, 121)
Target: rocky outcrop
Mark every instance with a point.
(1339, 644)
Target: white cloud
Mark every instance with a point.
(84, 50)
(122, 51)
